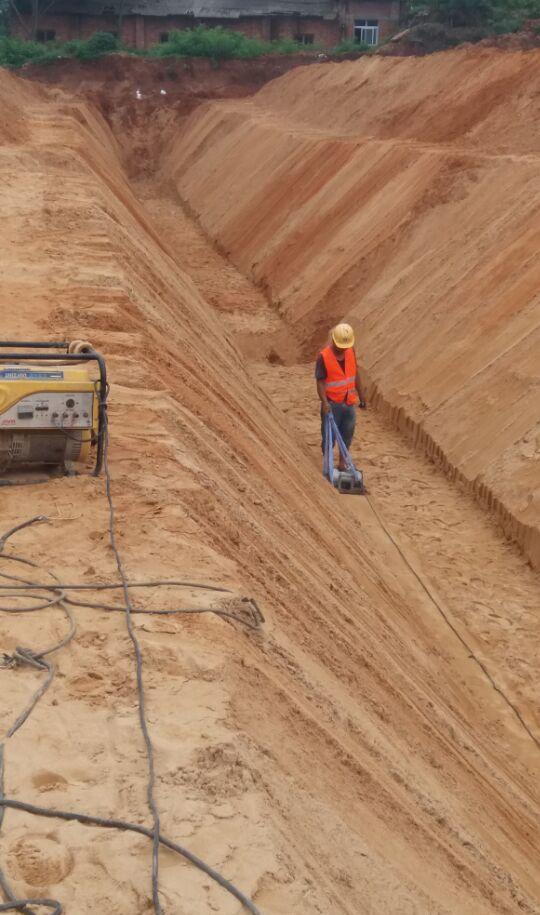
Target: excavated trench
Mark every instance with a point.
(378, 203)
(447, 537)
(377, 748)
(295, 226)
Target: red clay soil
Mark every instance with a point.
(526, 39)
(406, 200)
(375, 748)
(170, 89)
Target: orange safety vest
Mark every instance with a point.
(340, 382)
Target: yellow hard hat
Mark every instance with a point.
(343, 336)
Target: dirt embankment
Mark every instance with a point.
(352, 757)
(405, 197)
(145, 100)
(428, 37)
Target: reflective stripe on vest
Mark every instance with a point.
(335, 384)
(340, 384)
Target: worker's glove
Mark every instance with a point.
(362, 404)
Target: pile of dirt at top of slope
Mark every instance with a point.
(525, 39)
(430, 37)
(145, 99)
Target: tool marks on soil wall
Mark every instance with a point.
(421, 228)
(351, 756)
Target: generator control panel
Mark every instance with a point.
(50, 410)
(52, 404)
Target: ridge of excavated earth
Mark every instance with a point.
(354, 756)
(406, 199)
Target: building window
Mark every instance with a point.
(44, 35)
(163, 37)
(108, 11)
(366, 31)
(304, 39)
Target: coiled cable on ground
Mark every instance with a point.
(248, 615)
(55, 594)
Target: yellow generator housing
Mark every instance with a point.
(50, 410)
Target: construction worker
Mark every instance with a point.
(338, 385)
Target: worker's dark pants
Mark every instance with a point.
(345, 417)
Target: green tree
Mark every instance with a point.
(466, 12)
(454, 12)
(475, 12)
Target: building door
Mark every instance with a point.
(274, 28)
(366, 31)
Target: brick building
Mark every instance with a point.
(141, 23)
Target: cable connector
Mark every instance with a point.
(7, 661)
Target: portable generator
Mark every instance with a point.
(52, 411)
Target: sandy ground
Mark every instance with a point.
(447, 537)
(378, 203)
(353, 757)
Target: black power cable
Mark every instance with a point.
(251, 617)
(86, 820)
(56, 595)
(140, 683)
(474, 657)
(22, 905)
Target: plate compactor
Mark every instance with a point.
(351, 481)
(52, 411)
